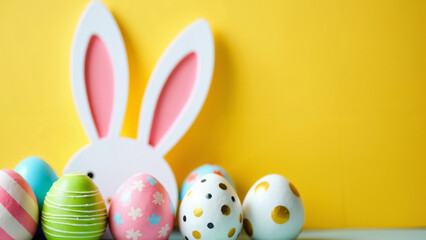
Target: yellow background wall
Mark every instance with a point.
(331, 94)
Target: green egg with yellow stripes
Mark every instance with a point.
(74, 209)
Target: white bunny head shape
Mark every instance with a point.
(173, 98)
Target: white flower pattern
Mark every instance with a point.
(164, 230)
(125, 196)
(138, 185)
(135, 213)
(131, 234)
(158, 198)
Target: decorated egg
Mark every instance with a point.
(273, 209)
(39, 175)
(74, 209)
(199, 172)
(211, 209)
(18, 207)
(141, 209)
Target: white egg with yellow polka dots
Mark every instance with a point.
(273, 209)
(210, 209)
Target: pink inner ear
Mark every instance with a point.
(99, 84)
(173, 97)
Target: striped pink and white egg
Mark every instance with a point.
(18, 207)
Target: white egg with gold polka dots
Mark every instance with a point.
(210, 209)
(273, 209)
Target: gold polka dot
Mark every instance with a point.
(189, 193)
(198, 212)
(231, 232)
(280, 214)
(226, 210)
(223, 186)
(261, 188)
(241, 217)
(294, 190)
(196, 234)
(248, 227)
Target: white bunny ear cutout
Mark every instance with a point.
(177, 87)
(99, 73)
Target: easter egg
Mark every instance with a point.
(39, 175)
(18, 207)
(273, 209)
(74, 209)
(141, 209)
(211, 209)
(199, 172)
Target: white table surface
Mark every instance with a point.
(373, 234)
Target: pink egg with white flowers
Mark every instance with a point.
(141, 209)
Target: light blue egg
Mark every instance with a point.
(198, 173)
(39, 175)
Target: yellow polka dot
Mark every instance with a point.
(280, 214)
(294, 190)
(261, 188)
(189, 193)
(231, 232)
(223, 186)
(196, 234)
(226, 210)
(241, 217)
(198, 212)
(248, 227)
